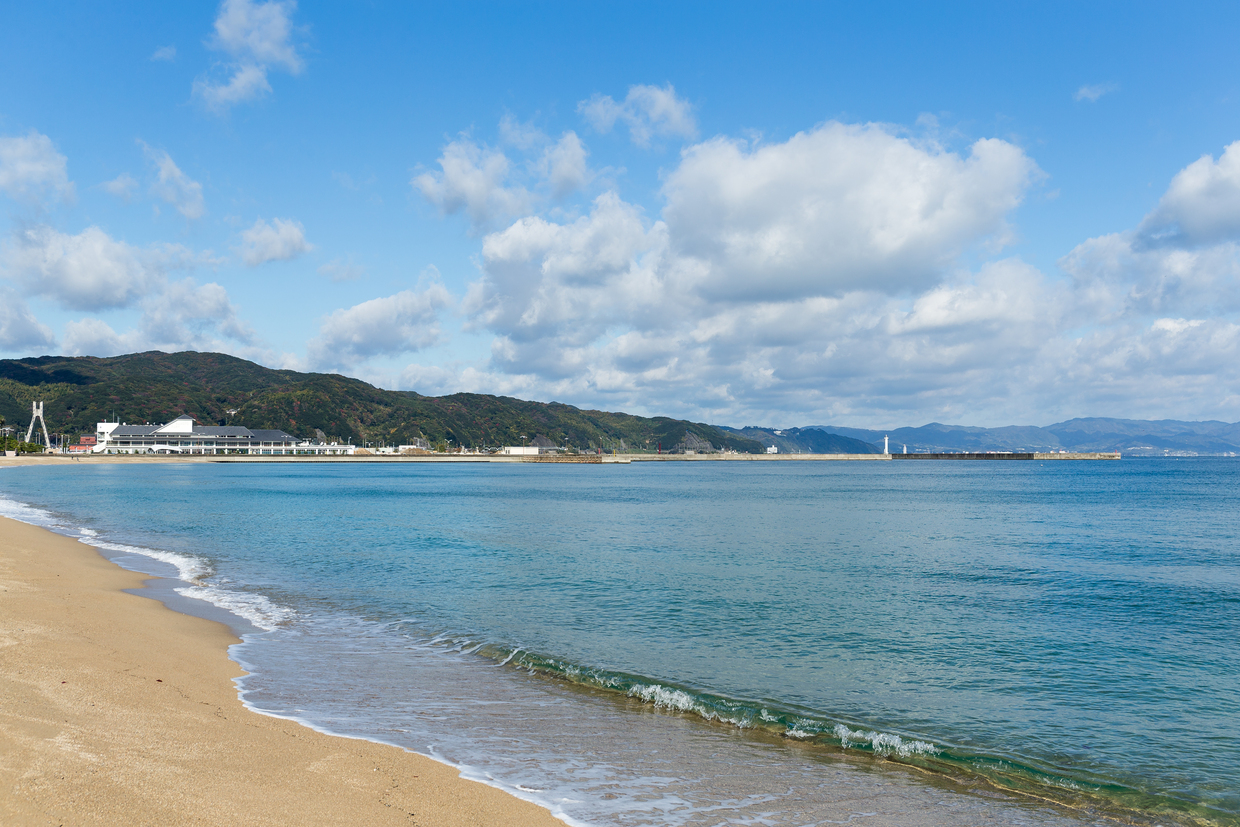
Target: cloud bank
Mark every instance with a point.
(824, 278)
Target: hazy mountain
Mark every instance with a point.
(1129, 436)
(806, 440)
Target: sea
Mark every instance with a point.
(724, 643)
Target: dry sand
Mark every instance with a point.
(115, 710)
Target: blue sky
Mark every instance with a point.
(782, 215)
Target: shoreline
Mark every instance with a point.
(581, 459)
(115, 709)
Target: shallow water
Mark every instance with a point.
(684, 643)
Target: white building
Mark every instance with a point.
(182, 436)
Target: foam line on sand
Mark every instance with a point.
(116, 710)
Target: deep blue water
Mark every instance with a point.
(1070, 629)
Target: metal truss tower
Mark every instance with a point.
(37, 413)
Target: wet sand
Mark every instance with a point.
(116, 710)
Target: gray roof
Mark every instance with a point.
(234, 431)
(133, 430)
(273, 436)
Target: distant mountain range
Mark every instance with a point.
(1134, 437)
(213, 387)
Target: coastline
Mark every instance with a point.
(117, 710)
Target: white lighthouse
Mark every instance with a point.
(885, 449)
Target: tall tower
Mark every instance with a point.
(37, 413)
(885, 450)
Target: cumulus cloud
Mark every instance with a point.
(1202, 204)
(173, 186)
(1091, 92)
(776, 275)
(401, 323)
(820, 279)
(1183, 258)
(182, 315)
(32, 170)
(648, 111)
(841, 207)
(473, 178)
(563, 165)
(20, 331)
(258, 37)
(89, 270)
(283, 239)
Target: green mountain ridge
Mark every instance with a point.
(216, 388)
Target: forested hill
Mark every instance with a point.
(158, 387)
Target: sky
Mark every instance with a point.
(745, 214)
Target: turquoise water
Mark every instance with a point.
(1067, 631)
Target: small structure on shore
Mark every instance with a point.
(183, 436)
(37, 414)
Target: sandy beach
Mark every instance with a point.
(115, 710)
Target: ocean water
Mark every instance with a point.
(726, 643)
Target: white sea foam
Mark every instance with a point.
(664, 698)
(23, 513)
(190, 569)
(883, 743)
(256, 608)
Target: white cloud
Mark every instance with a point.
(524, 136)
(563, 165)
(167, 53)
(823, 279)
(258, 33)
(189, 316)
(281, 240)
(842, 207)
(340, 269)
(819, 279)
(90, 270)
(647, 111)
(174, 186)
(1119, 276)
(1202, 204)
(31, 168)
(1091, 92)
(20, 331)
(1184, 257)
(401, 323)
(259, 37)
(247, 82)
(473, 178)
(181, 315)
(95, 337)
(545, 279)
(772, 269)
(122, 186)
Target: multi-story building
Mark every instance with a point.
(182, 436)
